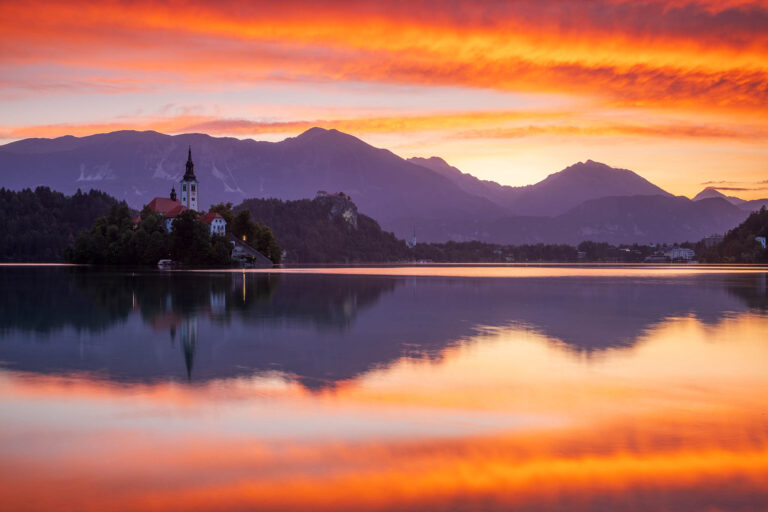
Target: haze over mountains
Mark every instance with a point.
(587, 200)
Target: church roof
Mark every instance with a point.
(163, 205)
(209, 217)
(175, 211)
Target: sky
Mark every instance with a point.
(510, 91)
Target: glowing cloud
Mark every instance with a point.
(681, 57)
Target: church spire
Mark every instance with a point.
(189, 184)
(189, 175)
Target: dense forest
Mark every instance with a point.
(113, 240)
(313, 231)
(38, 224)
(740, 244)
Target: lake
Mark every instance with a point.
(442, 388)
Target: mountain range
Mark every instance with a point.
(587, 200)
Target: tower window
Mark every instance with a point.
(193, 188)
(184, 187)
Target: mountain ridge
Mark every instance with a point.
(437, 200)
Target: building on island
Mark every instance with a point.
(189, 185)
(216, 222)
(170, 207)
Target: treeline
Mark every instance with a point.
(113, 240)
(38, 224)
(310, 232)
(739, 245)
(482, 252)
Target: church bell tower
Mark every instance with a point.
(189, 185)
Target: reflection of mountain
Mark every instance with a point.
(321, 329)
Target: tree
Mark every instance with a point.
(259, 237)
(190, 240)
(220, 252)
(740, 244)
(244, 228)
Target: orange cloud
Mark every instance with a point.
(668, 54)
(462, 125)
(642, 130)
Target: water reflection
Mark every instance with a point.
(320, 329)
(231, 391)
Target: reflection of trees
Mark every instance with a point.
(752, 289)
(322, 300)
(312, 327)
(46, 299)
(50, 298)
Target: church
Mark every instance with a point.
(170, 207)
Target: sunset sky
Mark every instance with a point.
(510, 91)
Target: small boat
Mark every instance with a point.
(167, 265)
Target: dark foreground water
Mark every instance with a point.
(448, 388)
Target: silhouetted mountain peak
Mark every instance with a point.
(713, 192)
(707, 193)
(331, 137)
(603, 179)
(433, 159)
(437, 164)
(592, 168)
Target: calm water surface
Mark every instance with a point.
(437, 388)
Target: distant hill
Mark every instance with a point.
(327, 229)
(557, 193)
(584, 181)
(501, 195)
(712, 192)
(740, 244)
(429, 196)
(747, 206)
(616, 220)
(754, 205)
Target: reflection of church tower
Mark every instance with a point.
(189, 184)
(189, 342)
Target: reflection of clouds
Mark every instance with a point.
(676, 421)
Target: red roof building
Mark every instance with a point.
(164, 205)
(175, 211)
(216, 222)
(170, 208)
